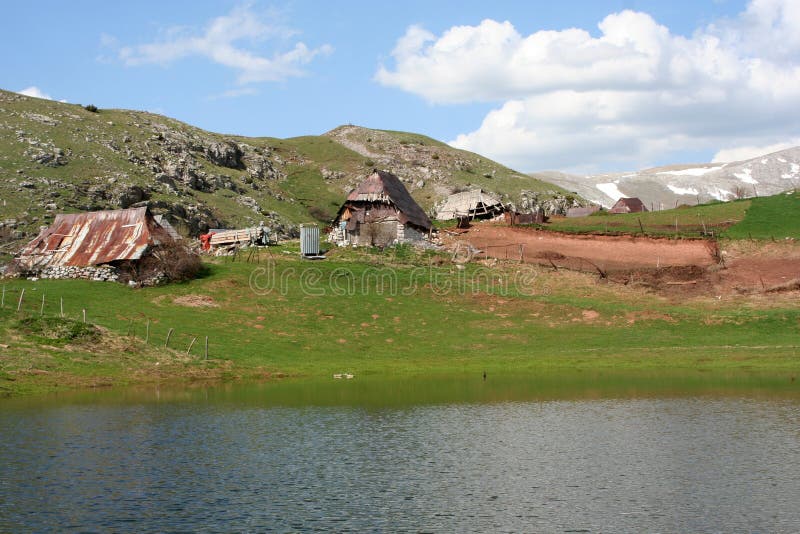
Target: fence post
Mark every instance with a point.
(206, 347)
(19, 304)
(3, 301)
(41, 309)
(169, 334)
(84, 315)
(62, 306)
(190, 346)
(147, 332)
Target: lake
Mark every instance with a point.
(441, 454)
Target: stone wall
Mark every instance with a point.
(102, 273)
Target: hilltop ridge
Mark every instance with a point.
(59, 157)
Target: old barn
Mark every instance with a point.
(380, 212)
(628, 205)
(94, 238)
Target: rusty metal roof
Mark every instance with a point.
(94, 238)
(382, 186)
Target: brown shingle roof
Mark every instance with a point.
(385, 186)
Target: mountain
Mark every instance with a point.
(58, 157)
(667, 187)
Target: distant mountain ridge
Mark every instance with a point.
(666, 187)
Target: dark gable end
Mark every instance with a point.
(628, 205)
(382, 186)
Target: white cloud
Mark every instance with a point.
(742, 153)
(230, 41)
(235, 93)
(632, 95)
(36, 93)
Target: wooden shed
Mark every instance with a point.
(380, 212)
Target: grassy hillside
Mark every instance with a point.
(774, 217)
(397, 313)
(680, 222)
(57, 157)
(432, 169)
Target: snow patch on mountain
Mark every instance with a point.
(611, 190)
(746, 176)
(767, 174)
(697, 171)
(682, 190)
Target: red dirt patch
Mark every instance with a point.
(582, 252)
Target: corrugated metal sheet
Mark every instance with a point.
(165, 224)
(309, 239)
(94, 238)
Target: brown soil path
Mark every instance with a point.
(606, 252)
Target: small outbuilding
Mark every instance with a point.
(380, 212)
(94, 238)
(473, 204)
(628, 205)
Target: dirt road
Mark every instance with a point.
(583, 252)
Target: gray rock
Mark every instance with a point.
(225, 154)
(131, 195)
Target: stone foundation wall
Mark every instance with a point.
(101, 273)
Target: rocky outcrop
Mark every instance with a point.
(47, 155)
(224, 154)
(130, 195)
(259, 166)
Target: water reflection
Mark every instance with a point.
(258, 458)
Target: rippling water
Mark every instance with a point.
(668, 465)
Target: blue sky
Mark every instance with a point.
(586, 86)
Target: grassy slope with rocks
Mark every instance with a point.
(432, 170)
(57, 157)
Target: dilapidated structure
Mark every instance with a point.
(379, 212)
(94, 238)
(473, 204)
(628, 205)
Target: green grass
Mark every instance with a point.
(331, 316)
(775, 217)
(680, 222)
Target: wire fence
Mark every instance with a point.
(148, 330)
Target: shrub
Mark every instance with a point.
(320, 214)
(91, 107)
(58, 329)
(171, 261)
